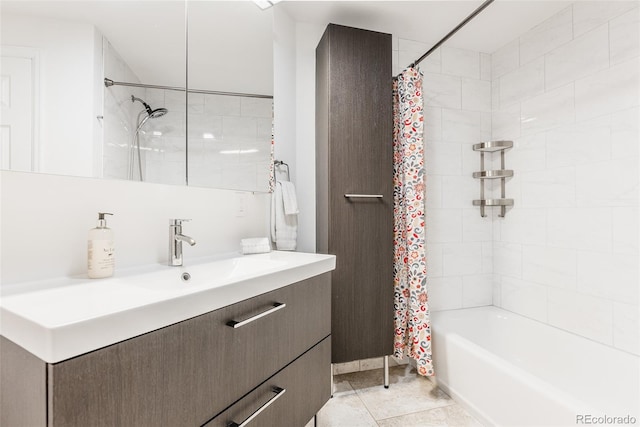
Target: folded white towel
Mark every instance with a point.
(284, 228)
(289, 198)
(257, 245)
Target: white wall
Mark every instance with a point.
(67, 110)
(567, 92)
(45, 219)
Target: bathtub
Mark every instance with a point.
(510, 370)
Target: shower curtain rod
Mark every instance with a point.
(466, 20)
(109, 82)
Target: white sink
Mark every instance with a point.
(63, 318)
(210, 275)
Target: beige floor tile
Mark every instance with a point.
(452, 415)
(345, 410)
(408, 392)
(341, 386)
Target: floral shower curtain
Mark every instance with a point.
(412, 323)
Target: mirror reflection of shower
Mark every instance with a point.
(134, 149)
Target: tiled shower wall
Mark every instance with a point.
(229, 136)
(567, 93)
(457, 96)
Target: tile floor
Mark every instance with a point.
(360, 400)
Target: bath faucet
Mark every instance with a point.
(175, 241)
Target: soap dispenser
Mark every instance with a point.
(101, 250)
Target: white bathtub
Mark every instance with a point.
(511, 371)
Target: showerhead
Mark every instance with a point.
(159, 112)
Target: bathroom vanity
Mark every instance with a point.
(262, 349)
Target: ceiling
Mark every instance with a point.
(429, 21)
(149, 34)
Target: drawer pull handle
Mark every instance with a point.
(363, 196)
(277, 390)
(276, 306)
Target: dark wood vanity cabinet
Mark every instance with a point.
(196, 371)
(354, 187)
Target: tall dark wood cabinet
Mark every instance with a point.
(354, 187)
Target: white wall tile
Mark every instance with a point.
(460, 62)
(549, 110)
(522, 83)
(624, 36)
(459, 191)
(579, 58)
(474, 227)
(256, 107)
(579, 228)
(549, 266)
(220, 105)
(579, 143)
(433, 124)
(505, 59)
(444, 226)
(588, 15)
(485, 126)
(522, 225)
(461, 126)
(625, 134)
(487, 256)
(582, 314)
(607, 91)
(625, 230)
(410, 50)
(506, 123)
(626, 335)
(607, 275)
(497, 290)
(507, 259)
(528, 154)
(443, 158)
(525, 298)
(546, 36)
(445, 293)
(442, 91)
(462, 258)
(476, 95)
(433, 190)
(549, 188)
(495, 95)
(614, 184)
(477, 290)
(434, 259)
(485, 66)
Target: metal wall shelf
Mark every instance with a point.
(495, 174)
(502, 174)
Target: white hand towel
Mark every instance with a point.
(289, 198)
(284, 228)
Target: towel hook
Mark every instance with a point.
(277, 163)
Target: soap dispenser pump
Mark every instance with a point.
(101, 249)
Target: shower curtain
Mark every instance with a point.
(411, 304)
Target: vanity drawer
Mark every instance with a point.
(187, 373)
(289, 398)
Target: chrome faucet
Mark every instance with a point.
(175, 241)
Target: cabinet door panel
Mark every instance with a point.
(355, 156)
(307, 387)
(187, 373)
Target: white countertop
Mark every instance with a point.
(63, 318)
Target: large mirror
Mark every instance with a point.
(59, 117)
